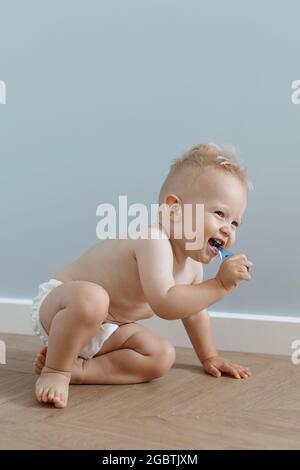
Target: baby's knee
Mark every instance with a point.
(163, 360)
(90, 304)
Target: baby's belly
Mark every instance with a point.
(121, 309)
(120, 316)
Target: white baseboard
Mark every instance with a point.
(268, 334)
(15, 316)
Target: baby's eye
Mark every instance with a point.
(235, 224)
(220, 213)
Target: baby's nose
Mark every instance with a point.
(226, 229)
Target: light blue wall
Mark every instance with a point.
(102, 95)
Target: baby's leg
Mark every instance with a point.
(71, 315)
(77, 367)
(131, 355)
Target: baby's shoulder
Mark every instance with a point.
(151, 237)
(150, 232)
(152, 245)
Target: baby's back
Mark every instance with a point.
(112, 265)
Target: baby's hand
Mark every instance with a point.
(216, 365)
(234, 269)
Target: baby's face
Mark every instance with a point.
(225, 200)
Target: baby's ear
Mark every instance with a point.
(174, 207)
(175, 212)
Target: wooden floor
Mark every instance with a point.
(186, 409)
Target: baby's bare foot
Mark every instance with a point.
(77, 368)
(53, 387)
(40, 360)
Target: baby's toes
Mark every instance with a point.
(38, 366)
(41, 359)
(45, 394)
(39, 390)
(59, 401)
(51, 394)
(39, 393)
(42, 356)
(43, 351)
(35, 360)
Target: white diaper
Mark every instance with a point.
(95, 344)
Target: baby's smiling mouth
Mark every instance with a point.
(216, 242)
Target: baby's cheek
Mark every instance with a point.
(231, 241)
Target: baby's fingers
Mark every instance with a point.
(212, 370)
(249, 265)
(243, 374)
(244, 276)
(245, 371)
(230, 369)
(242, 260)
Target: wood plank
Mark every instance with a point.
(186, 409)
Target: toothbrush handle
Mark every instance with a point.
(225, 254)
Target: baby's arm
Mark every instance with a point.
(198, 328)
(168, 300)
(189, 302)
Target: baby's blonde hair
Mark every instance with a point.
(191, 163)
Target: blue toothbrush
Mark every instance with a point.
(222, 252)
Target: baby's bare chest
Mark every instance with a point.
(114, 267)
(130, 304)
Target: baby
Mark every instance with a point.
(87, 313)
